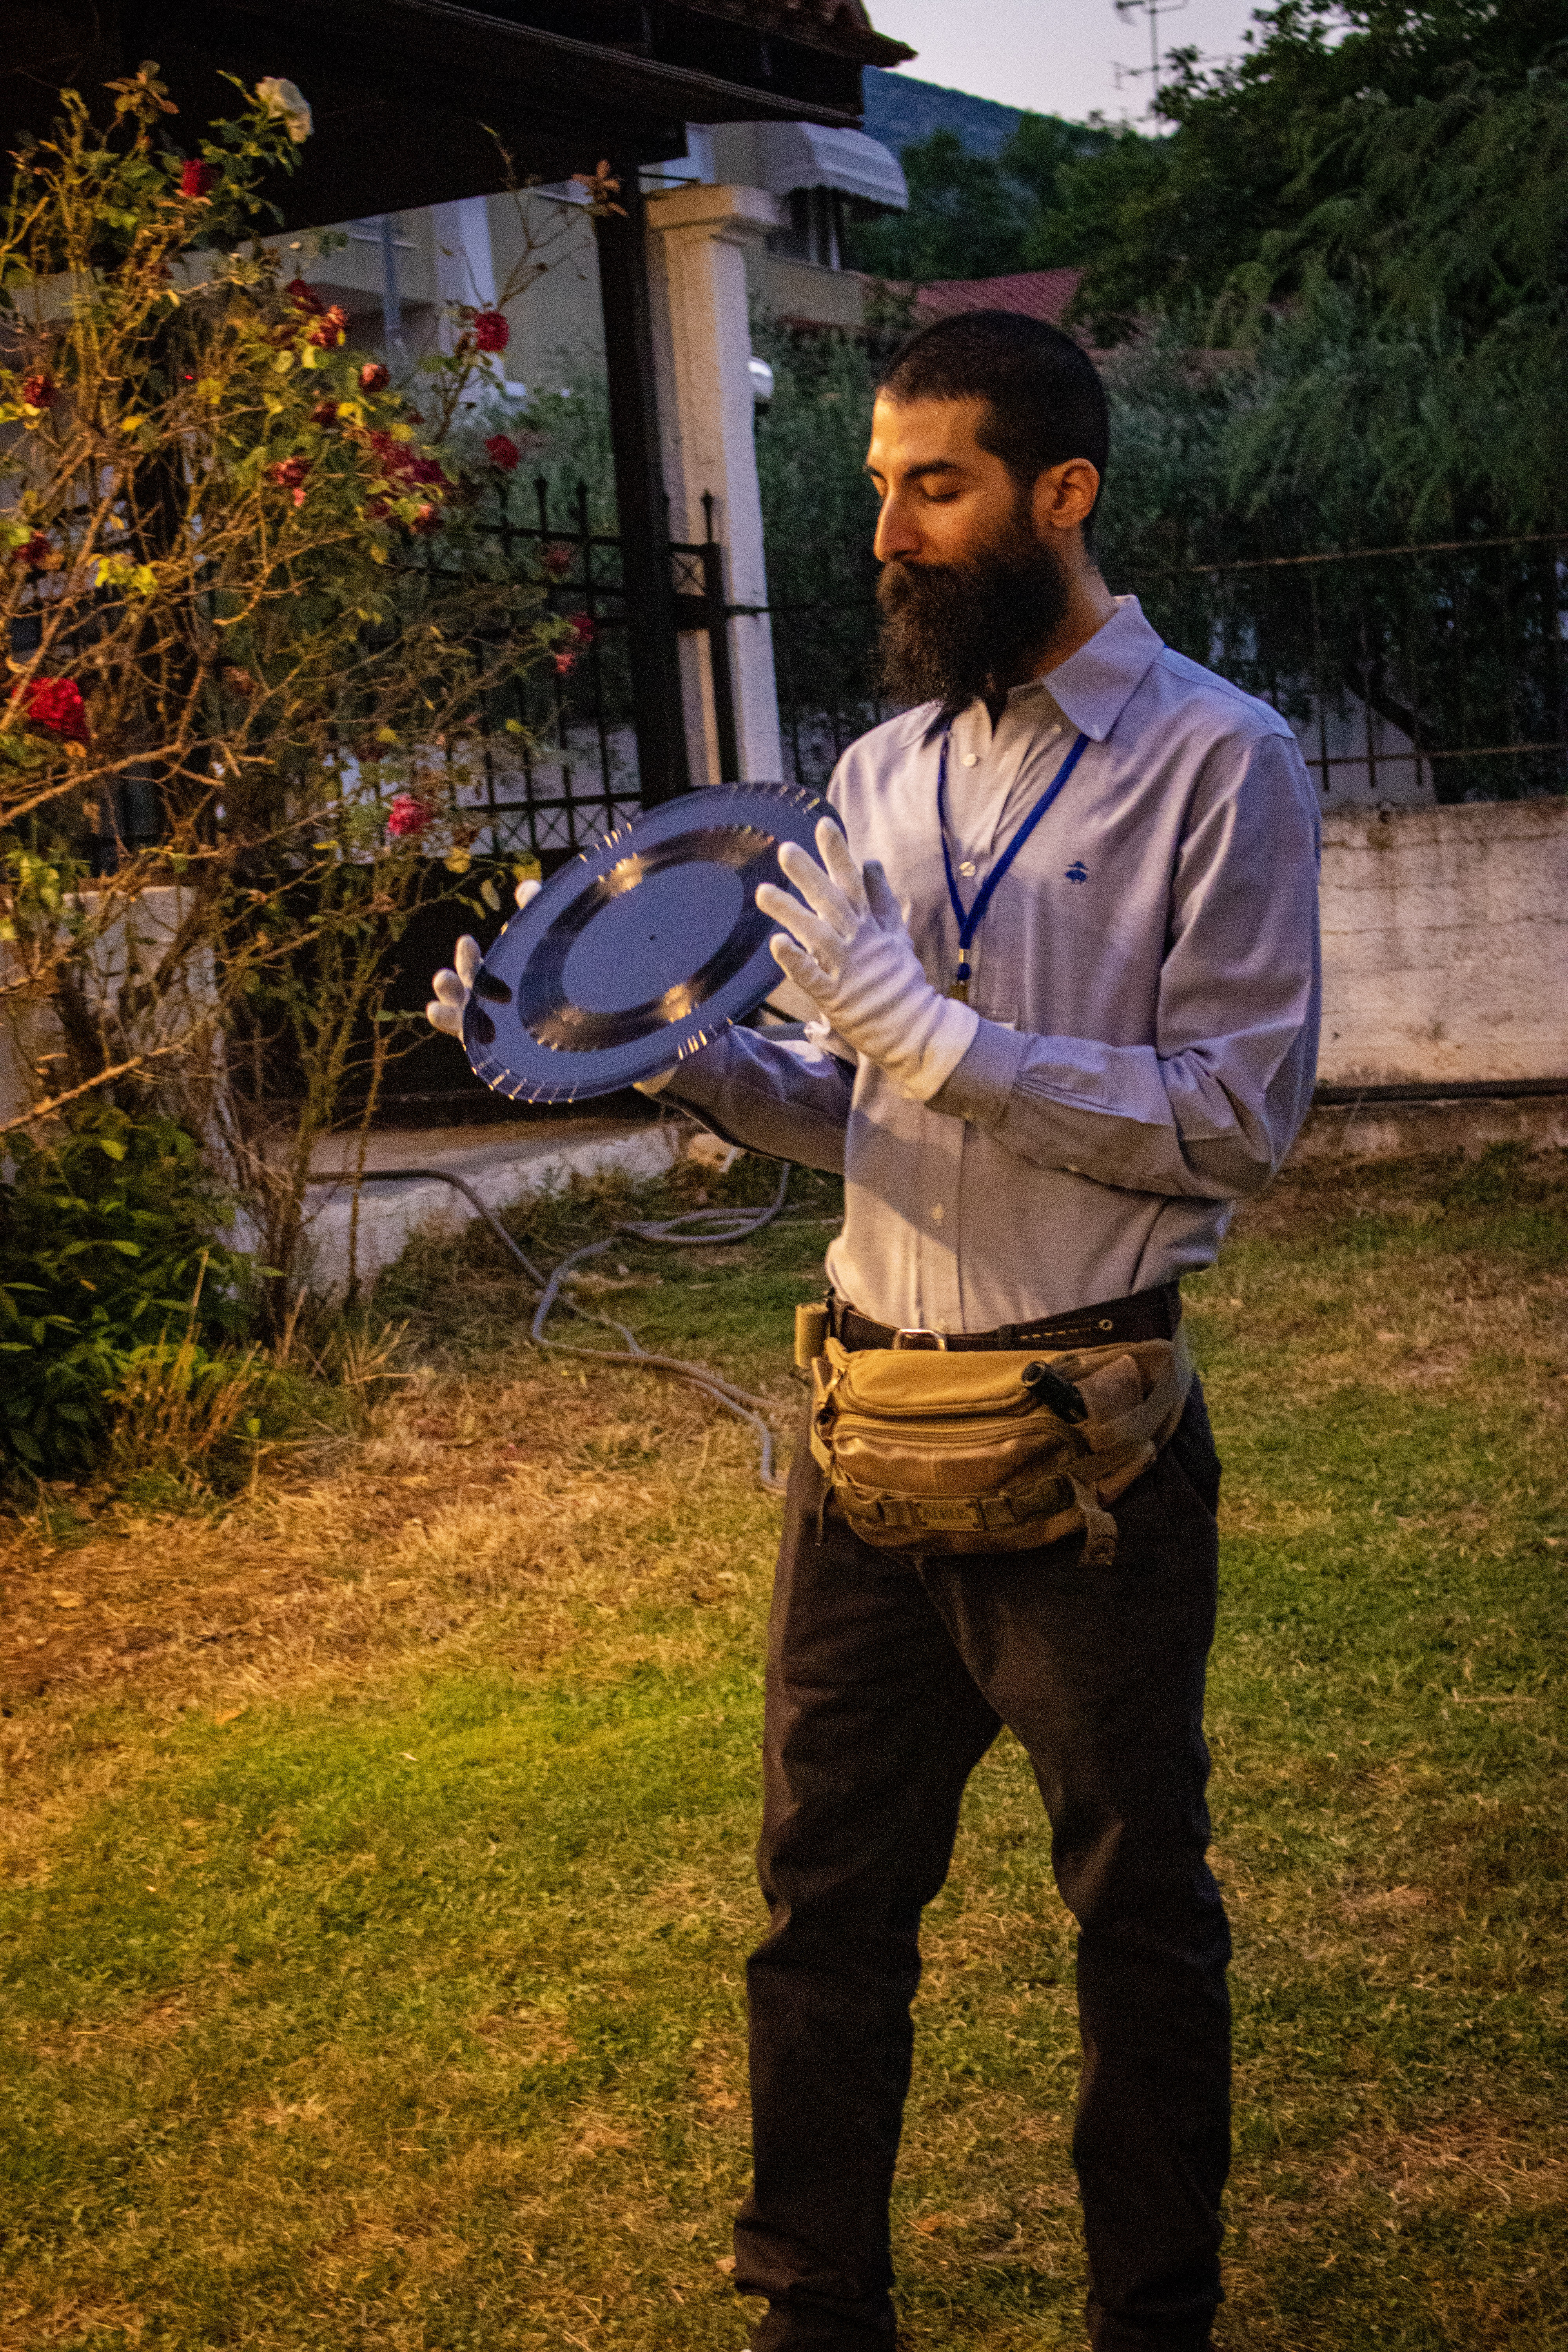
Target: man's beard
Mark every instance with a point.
(954, 631)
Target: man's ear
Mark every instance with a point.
(1063, 496)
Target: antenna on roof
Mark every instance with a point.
(1154, 10)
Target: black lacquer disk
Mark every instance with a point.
(641, 950)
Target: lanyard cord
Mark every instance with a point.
(968, 925)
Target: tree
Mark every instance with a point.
(968, 216)
(1412, 381)
(1040, 154)
(965, 219)
(1254, 147)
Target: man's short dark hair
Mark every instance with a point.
(1046, 398)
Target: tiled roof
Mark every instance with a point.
(1034, 293)
(842, 25)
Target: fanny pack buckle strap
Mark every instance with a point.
(1098, 1527)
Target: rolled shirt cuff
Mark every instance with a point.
(941, 1051)
(979, 1083)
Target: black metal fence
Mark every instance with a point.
(1411, 675)
(1415, 674)
(823, 609)
(1434, 673)
(565, 773)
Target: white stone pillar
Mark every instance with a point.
(465, 268)
(697, 237)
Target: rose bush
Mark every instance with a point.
(273, 619)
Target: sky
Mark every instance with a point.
(1056, 56)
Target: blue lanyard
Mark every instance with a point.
(968, 925)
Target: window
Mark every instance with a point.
(816, 228)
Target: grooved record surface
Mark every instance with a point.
(641, 950)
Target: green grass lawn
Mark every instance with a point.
(379, 1877)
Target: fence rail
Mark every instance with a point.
(1413, 675)
(1423, 674)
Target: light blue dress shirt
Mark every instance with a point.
(1147, 979)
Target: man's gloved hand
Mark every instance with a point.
(853, 955)
(452, 989)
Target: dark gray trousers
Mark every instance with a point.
(889, 1677)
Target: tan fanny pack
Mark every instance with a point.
(948, 1451)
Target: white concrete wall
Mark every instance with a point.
(502, 1164)
(1446, 944)
(467, 252)
(134, 936)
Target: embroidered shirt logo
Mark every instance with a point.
(1078, 871)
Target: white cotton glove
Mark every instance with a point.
(452, 989)
(853, 955)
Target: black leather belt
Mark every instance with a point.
(1144, 1315)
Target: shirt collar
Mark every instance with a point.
(1094, 686)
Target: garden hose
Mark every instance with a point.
(714, 1228)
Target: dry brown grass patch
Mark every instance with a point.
(408, 1543)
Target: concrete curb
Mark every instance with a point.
(502, 1165)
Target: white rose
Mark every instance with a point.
(285, 98)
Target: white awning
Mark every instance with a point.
(779, 156)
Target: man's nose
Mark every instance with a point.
(896, 531)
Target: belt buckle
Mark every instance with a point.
(920, 1331)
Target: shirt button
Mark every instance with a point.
(967, 866)
(972, 759)
(938, 1213)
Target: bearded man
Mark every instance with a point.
(1064, 961)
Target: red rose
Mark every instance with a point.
(198, 179)
(290, 475)
(304, 298)
(564, 662)
(32, 551)
(408, 818)
(373, 377)
(502, 451)
(581, 628)
(491, 330)
(328, 332)
(38, 389)
(325, 412)
(55, 704)
(403, 464)
(557, 559)
(427, 518)
(395, 456)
